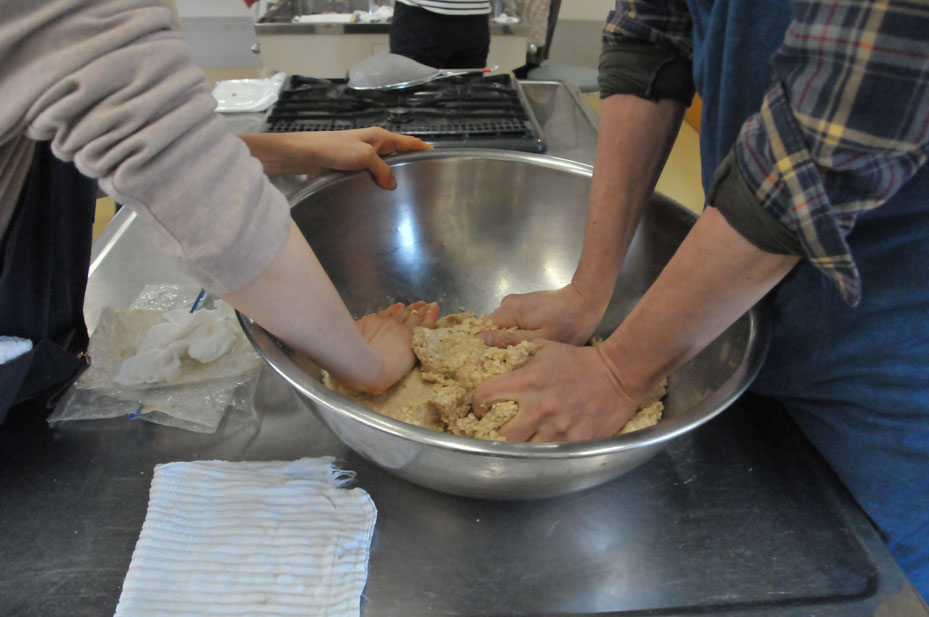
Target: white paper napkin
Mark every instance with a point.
(325, 18)
(250, 539)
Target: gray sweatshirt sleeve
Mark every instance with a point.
(112, 85)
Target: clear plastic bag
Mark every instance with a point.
(248, 95)
(196, 401)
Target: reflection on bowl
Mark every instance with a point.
(467, 227)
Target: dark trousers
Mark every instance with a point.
(44, 258)
(440, 41)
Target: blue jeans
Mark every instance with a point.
(856, 380)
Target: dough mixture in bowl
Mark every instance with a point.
(436, 394)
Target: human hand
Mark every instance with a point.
(390, 333)
(565, 315)
(312, 153)
(565, 393)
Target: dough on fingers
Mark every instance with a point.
(453, 362)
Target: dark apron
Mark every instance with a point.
(43, 275)
(439, 40)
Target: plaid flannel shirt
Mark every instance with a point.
(844, 125)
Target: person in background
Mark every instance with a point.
(104, 92)
(814, 140)
(445, 34)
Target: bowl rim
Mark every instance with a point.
(312, 185)
(272, 351)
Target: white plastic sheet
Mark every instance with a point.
(247, 95)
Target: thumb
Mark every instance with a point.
(504, 316)
(505, 338)
(381, 171)
(500, 388)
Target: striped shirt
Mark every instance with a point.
(844, 124)
(452, 7)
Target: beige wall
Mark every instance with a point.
(577, 32)
(594, 10)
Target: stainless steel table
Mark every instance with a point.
(740, 518)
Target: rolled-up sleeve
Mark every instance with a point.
(843, 127)
(647, 51)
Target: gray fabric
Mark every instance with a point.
(646, 71)
(732, 196)
(112, 85)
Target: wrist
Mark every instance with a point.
(634, 376)
(381, 380)
(613, 374)
(594, 293)
(366, 375)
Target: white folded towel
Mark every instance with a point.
(250, 539)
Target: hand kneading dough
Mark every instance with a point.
(452, 363)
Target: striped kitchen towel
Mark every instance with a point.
(250, 539)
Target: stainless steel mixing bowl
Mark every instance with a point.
(467, 227)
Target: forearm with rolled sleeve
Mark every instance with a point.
(112, 85)
(647, 51)
(843, 127)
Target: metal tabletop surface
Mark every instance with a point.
(740, 517)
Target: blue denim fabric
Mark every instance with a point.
(856, 380)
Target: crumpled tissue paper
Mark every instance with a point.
(203, 335)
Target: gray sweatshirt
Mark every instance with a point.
(112, 85)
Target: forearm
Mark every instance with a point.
(714, 277)
(313, 152)
(295, 300)
(634, 141)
